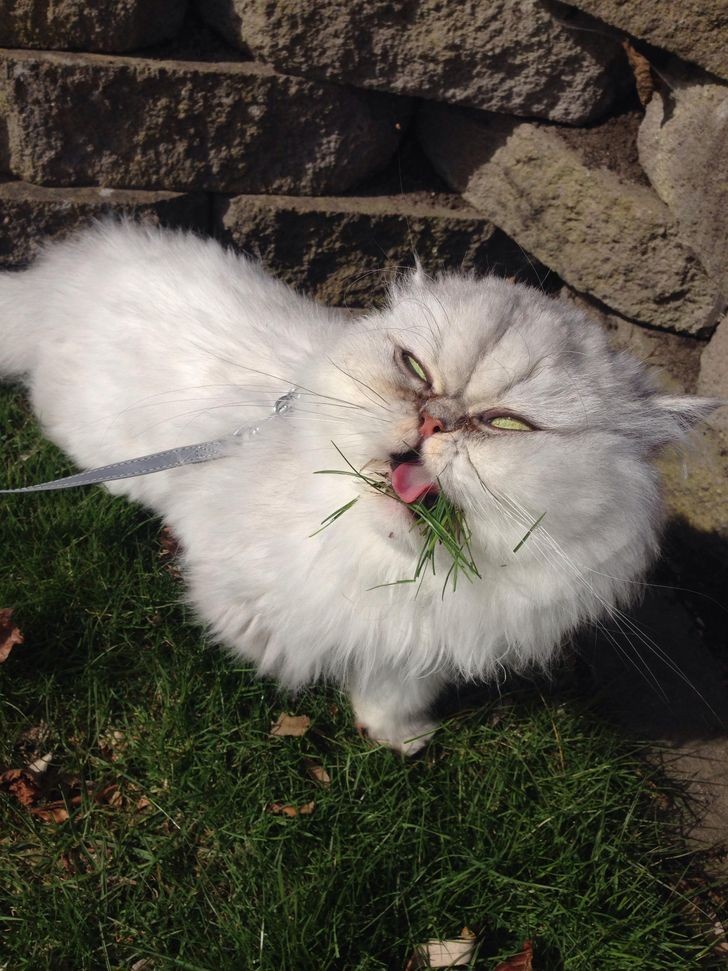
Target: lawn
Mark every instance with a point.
(527, 818)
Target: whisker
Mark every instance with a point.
(543, 542)
(276, 377)
(359, 381)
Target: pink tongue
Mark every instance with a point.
(411, 481)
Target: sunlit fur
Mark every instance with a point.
(134, 340)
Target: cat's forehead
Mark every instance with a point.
(486, 335)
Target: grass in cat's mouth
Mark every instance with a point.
(439, 521)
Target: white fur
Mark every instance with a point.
(135, 340)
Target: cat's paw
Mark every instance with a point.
(404, 735)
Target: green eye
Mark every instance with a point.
(415, 367)
(510, 424)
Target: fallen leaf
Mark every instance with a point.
(283, 809)
(142, 803)
(31, 788)
(112, 743)
(9, 634)
(523, 961)
(721, 939)
(642, 70)
(456, 953)
(69, 862)
(22, 784)
(170, 551)
(169, 542)
(109, 795)
(52, 812)
(32, 741)
(290, 725)
(318, 773)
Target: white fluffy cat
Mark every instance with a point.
(134, 340)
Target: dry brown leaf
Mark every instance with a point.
(57, 810)
(112, 744)
(642, 70)
(523, 961)
(52, 812)
(142, 803)
(81, 857)
(170, 551)
(31, 742)
(109, 795)
(32, 788)
(721, 938)
(290, 725)
(456, 953)
(69, 862)
(22, 784)
(283, 809)
(318, 773)
(9, 634)
(169, 542)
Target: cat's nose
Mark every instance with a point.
(429, 425)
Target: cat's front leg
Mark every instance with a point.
(394, 709)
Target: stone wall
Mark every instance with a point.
(334, 138)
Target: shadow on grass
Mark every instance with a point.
(662, 673)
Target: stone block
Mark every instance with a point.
(124, 122)
(100, 25)
(713, 378)
(695, 30)
(683, 148)
(695, 481)
(675, 357)
(515, 56)
(604, 234)
(696, 485)
(31, 215)
(345, 250)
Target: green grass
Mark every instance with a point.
(440, 525)
(526, 817)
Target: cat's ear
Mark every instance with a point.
(418, 274)
(674, 416)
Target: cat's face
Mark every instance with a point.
(513, 405)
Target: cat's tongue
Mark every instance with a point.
(411, 481)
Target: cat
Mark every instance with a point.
(507, 402)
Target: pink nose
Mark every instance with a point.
(430, 426)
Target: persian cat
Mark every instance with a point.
(504, 401)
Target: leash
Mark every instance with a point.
(171, 458)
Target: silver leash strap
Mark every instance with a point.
(143, 465)
(161, 461)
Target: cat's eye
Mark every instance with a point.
(509, 423)
(414, 367)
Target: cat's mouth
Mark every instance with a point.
(410, 479)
